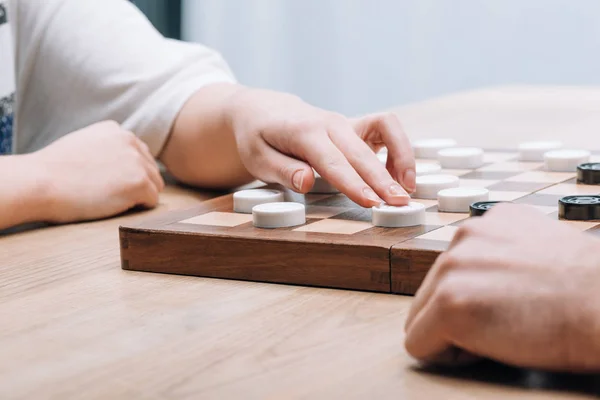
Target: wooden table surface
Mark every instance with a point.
(74, 325)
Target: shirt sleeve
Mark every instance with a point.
(83, 61)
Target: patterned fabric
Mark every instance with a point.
(6, 124)
(7, 96)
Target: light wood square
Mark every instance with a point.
(506, 196)
(542, 176)
(455, 172)
(512, 166)
(324, 211)
(566, 189)
(217, 218)
(494, 157)
(581, 225)
(426, 203)
(336, 226)
(441, 218)
(444, 234)
(477, 183)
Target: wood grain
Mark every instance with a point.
(74, 325)
(359, 261)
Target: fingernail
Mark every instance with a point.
(409, 179)
(397, 191)
(298, 179)
(370, 194)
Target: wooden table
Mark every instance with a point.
(74, 325)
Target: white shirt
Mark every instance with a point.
(78, 62)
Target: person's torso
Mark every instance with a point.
(7, 83)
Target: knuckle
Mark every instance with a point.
(390, 117)
(140, 179)
(447, 262)
(135, 156)
(338, 119)
(129, 137)
(450, 299)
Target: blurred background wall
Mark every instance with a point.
(356, 56)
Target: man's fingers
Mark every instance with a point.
(366, 163)
(425, 291)
(424, 339)
(400, 153)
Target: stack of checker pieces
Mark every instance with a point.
(338, 246)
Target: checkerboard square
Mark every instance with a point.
(444, 234)
(219, 219)
(542, 176)
(477, 183)
(512, 166)
(426, 203)
(455, 172)
(441, 218)
(335, 226)
(322, 212)
(506, 196)
(566, 189)
(581, 225)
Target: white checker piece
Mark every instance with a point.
(427, 168)
(461, 158)
(565, 160)
(429, 148)
(497, 157)
(428, 186)
(278, 215)
(399, 217)
(534, 151)
(245, 200)
(458, 200)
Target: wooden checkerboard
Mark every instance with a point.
(338, 247)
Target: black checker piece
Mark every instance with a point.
(579, 208)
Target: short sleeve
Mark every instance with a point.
(80, 62)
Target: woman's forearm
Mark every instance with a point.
(201, 149)
(23, 194)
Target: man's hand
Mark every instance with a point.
(97, 172)
(280, 139)
(516, 287)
